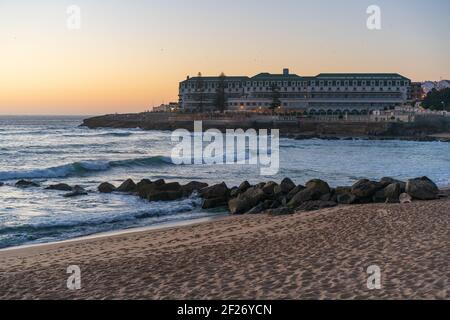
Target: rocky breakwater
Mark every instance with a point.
(285, 197)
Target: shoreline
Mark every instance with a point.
(112, 234)
(307, 255)
(427, 129)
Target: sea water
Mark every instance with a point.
(51, 150)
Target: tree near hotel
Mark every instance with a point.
(437, 100)
(221, 99)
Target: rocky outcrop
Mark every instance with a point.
(76, 192)
(127, 186)
(280, 199)
(365, 188)
(60, 187)
(26, 184)
(422, 189)
(106, 187)
(193, 186)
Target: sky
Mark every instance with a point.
(130, 55)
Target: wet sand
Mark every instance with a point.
(315, 255)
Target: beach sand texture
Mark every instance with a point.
(314, 255)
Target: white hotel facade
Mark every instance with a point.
(323, 94)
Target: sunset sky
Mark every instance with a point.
(130, 55)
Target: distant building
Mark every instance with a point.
(325, 93)
(427, 86)
(171, 107)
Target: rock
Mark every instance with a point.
(307, 194)
(215, 191)
(1, 184)
(392, 192)
(26, 184)
(106, 187)
(247, 200)
(59, 187)
(158, 195)
(244, 186)
(144, 189)
(405, 198)
(238, 206)
(257, 210)
(342, 190)
(269, 188)
(422, 189)
(316, 205)
(287, 185)
(318, 186)
(379, 197)
(193, 186)
(172, 186)
(326, 197)
(387, 181)
(159, 182)
(127, 186)
(294, 191)
(234, 192)
(283, 211)
(76, 192)
(346, 198)
(214, 203)
(365, 188)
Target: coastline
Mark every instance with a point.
(308, 255)
(425, 129)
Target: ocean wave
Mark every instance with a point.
(84, 167)
(105, 134)
(159, 210)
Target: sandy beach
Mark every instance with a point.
(315, 255)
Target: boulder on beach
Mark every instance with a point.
(392, 192)
(294, 191)
(269, 188)
(26, 184)
(76, 192)
(246, 200)
(191, 187)
(318, 186)
(216, 191)
(422, 189)
(106, 187)
(365, 188)
(214, 203)
(59, 187)
(287, 185)
(260, 208)
(315, 189)
(405, 198)
(127, 186)
(346, 198)
(158, 195)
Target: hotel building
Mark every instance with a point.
(326, 93)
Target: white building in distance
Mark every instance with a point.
(330, 93)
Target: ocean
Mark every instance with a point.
(52, 150)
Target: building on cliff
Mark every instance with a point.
(329, 93)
